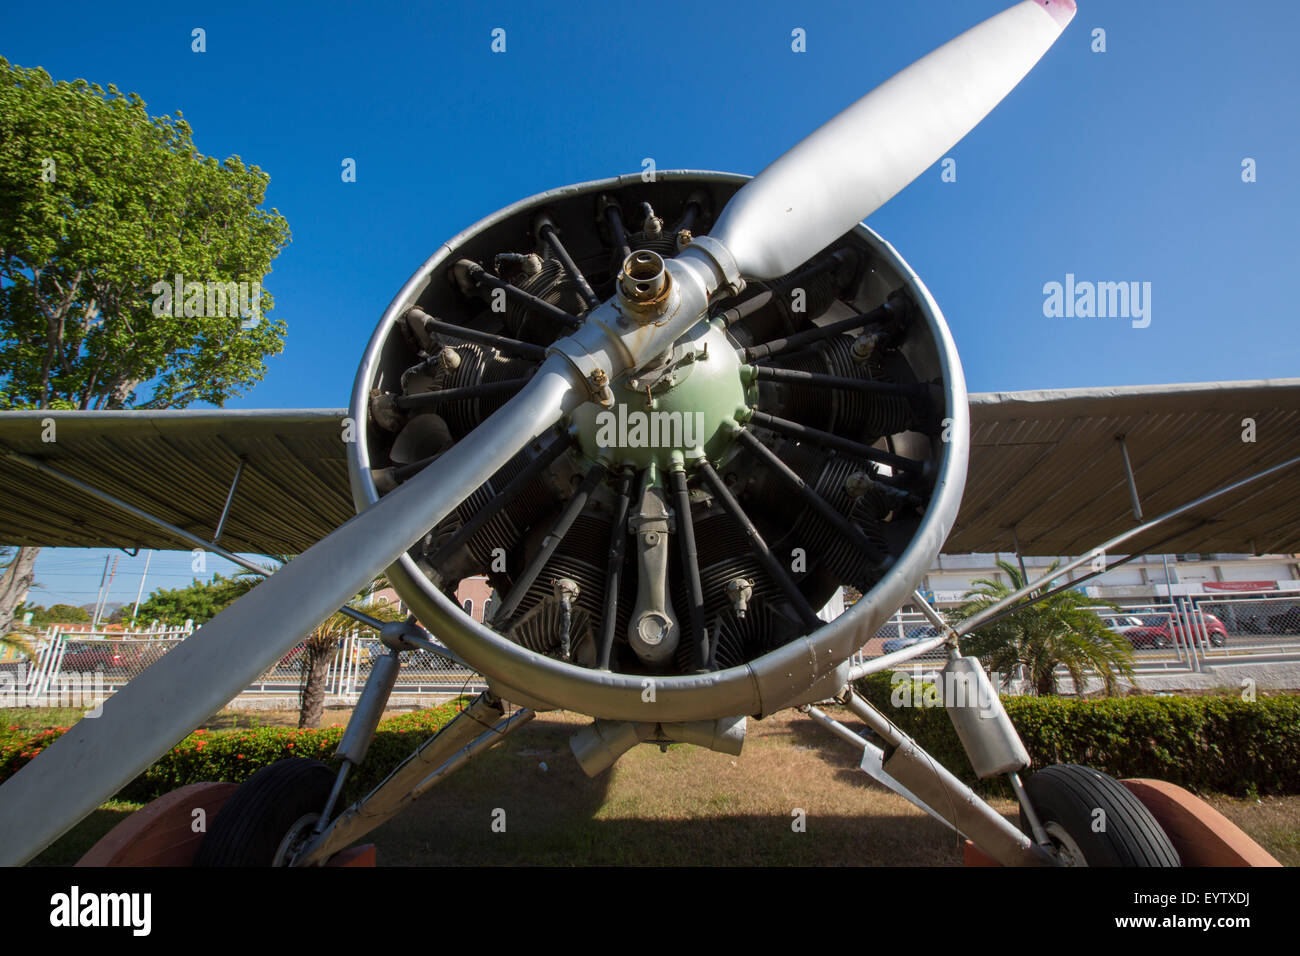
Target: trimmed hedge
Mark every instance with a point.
(235, 755)
(1222, 744)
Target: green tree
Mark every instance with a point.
(1060, 630)
(54, 614)
(199, 602)
(100, 204)
(16, 640)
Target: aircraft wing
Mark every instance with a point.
(1046, 464)
(1049, 465)
(178, 466)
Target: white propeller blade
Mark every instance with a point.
(98, 756)
(854, 164)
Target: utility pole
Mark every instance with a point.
(1169, 583)
(100, 596)
(135, 610)
(107, 589)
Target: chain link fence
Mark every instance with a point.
(1186, 633)
(81, 669)
(422, 674)
(1189, 633)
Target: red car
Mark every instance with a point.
(113, 659)
(89, 659)
(1174, 628)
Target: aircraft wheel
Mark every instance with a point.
(1093, 819)
(270, 812)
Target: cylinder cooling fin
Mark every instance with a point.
(694, 515)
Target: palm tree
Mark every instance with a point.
(17, 640)
(322, 644)
(14, 639)
(1059, 630)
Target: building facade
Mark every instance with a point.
(1145, 580)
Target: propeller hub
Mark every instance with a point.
(678, 410)
(643, 280)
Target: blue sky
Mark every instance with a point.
(1115, 166)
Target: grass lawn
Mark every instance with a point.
(39, 718)
(684, 806)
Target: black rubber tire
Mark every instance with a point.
(1218, 640)
(1159, 643)
(248, 829)
(1068, 794)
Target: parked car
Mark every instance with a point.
(1146, 635)
(1172, 630)
(89, 658)
(293, 658)
(912, 636)
(118, 660)
(1125, 622)
(1141, 631)
(1287, 622)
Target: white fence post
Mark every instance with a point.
(48, 666)
(354, 652)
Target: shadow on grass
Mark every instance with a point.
(685, 807)
(72, 846)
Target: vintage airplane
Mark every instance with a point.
(669, 419)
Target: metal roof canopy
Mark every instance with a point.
(1048, 468)
(1045, 465)
(177, 465)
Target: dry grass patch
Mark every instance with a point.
(253, 719)
(685, 806)
(1272, 822)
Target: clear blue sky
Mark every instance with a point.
(1123, 165)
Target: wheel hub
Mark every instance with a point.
(1067, 851)
(294, 839)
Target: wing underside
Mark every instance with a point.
(178, 466)
(1048, 468)
(1047, 471)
